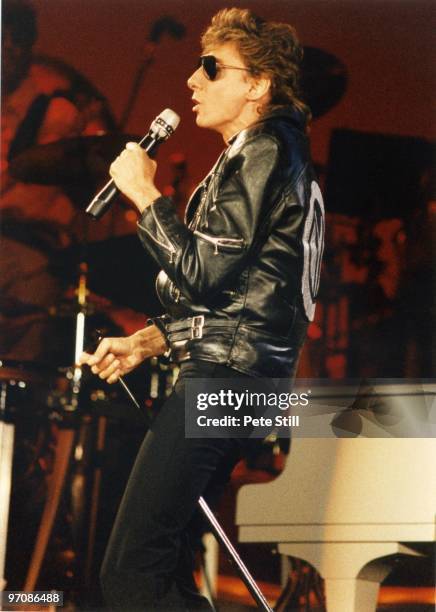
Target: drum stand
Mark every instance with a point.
(6, 454)
(62, 457)
(7, 434)
(63, 447)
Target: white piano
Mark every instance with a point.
(348, 505)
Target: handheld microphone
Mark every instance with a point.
(160, 130)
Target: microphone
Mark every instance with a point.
(160, 130)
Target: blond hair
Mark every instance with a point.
(267, 48)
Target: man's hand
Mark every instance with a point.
(115, 357)
(133, 172)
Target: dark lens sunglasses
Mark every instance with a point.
(211, 66)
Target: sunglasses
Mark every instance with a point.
(211, 66)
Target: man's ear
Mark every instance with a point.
(260, 87)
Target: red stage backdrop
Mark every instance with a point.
(385, 44)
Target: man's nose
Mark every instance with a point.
(194, 79)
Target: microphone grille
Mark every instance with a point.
(165, 123)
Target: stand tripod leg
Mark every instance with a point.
(62, 457)
(247, 578)
(95, 499)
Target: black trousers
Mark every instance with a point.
(149, 560)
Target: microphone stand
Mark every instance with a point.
(217, 530)
(137, 82)
(158, 29)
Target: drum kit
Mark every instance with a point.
(54, 419)
(54, 422)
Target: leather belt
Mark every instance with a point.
(191, 328)
(192, 325)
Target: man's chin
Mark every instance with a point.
(200, 121)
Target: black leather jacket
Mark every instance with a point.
(239, 278)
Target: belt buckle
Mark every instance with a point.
(197, 327)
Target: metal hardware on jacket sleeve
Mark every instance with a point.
(221, 241)
(159, 322)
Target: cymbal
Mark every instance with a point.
(26, 371)
(323, 80)
(84, 159)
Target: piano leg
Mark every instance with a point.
(351, 594)
(352, 571)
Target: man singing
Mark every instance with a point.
(238, 283)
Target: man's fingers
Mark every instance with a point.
(103, 364)
(103, 349)
(109, 370)
(114, 377)
(84, 358)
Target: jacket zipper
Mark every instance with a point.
(204, 185)
(169, 246)
(164, 246)
(232, 243)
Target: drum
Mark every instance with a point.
(24, 387)
(25, 450)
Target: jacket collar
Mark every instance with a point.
(284, 113)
